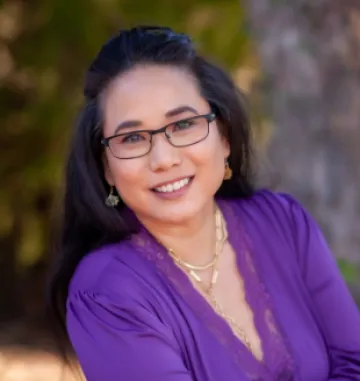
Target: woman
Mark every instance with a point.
(172, 266)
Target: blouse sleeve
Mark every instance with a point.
(117, 340)
(333, 304)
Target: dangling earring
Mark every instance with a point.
(112, 200)
(228, 171)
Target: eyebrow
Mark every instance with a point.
(171, 113)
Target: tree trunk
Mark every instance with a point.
(310, 53)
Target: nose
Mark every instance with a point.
(163, 155)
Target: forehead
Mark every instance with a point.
(146, 93)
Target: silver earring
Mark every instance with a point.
(112, 200)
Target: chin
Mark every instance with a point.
(179, 213)
(174, 210)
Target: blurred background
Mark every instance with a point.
(298, 62)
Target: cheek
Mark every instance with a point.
(128, 175)
(211, 152)
(209, 158)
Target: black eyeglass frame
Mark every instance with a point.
(209, 117)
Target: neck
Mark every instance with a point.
(192, 240)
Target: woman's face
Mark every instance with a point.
(169, 184)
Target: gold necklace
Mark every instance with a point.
(221, 238)
(189, 265)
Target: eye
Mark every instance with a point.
(184, 124)
(129, 138)
(132, 138)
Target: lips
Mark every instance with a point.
(172, 186)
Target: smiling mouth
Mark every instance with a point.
(174, 186)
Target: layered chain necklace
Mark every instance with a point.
(192, 271)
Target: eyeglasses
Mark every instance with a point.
(182, 133)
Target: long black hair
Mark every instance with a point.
(87, 222)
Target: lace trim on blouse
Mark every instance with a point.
(277, 363)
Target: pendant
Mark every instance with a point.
(195, 276)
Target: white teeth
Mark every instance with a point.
(173, 186)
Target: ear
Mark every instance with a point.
(107, 172)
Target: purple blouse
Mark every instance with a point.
(132, 314)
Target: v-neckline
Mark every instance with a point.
(255, 293)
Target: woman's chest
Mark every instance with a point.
(292, 343)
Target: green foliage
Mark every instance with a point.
(53, 42)
(350, 271)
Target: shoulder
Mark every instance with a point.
(108, 270)
(279, 217)
(276, 217)
(277, 208)
(266, 199)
